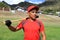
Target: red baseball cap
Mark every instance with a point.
(32, 7)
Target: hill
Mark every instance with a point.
(48, 5)
(51, 4)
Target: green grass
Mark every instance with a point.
(6, 34)
(52, 29)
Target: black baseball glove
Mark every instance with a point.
(8, 23)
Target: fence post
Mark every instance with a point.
(3, 9)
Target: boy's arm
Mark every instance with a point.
(43, 35)
(8, 24)
(42, 30)
(14, 29)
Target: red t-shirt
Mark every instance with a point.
(31, 29)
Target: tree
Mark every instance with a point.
(3, 5)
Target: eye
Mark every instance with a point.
(38, 12)
(33, 12)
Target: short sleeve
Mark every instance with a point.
(19, 26)
(42, 26)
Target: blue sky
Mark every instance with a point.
(17, 1)
(35, 1)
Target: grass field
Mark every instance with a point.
(52, 27)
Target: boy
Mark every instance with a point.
(31, 26)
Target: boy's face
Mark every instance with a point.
(32, 14)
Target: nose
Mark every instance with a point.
(35, 13)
